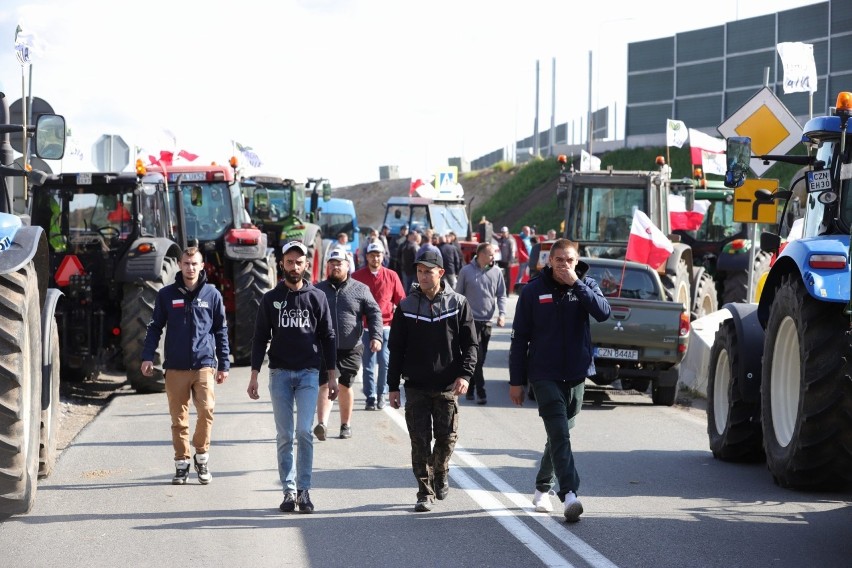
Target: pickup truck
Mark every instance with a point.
(645, 339)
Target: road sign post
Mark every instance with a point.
(110, 153)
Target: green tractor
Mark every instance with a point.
(278, 207)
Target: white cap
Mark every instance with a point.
(337, 254)
(294, 245)
(375, 246)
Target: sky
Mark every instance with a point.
(332, 88)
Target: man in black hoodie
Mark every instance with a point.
(433, 348)
(296, 316)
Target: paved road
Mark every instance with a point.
(653, 494)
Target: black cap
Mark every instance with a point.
(430, 258)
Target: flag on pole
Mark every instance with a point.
(589, 162)
(647, 244)
(249, 154)
(188, 156)
(682, 220)
(166, 158)
(707, 151)
(25, 45)
(676, 133)
(800, 72)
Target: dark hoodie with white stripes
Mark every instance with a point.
(431, 342)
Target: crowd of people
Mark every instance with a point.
(420, 315)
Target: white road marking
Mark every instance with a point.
(508, 517)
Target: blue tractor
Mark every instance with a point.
(779, 379)
(29, 343)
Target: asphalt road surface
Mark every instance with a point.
(653, 494)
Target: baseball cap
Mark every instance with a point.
(430, 258)
(375, 247)
(294, 245)
(337, 254)
(504, 230)
(404, 226)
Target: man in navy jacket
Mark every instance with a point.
(552, 350)
(196, 349)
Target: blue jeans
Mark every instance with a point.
(288, 388)
(368, 361)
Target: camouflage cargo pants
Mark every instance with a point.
(427, 412)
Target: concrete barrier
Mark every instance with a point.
(696, 362)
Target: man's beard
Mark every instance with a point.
(335, 279)
(293, 277)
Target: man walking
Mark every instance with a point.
(433, 349)
(552, 321)
(452, 260)
(387, 290)
(295, 317)
(196, 349)
(482, 284)
(407, 255)
(350, 302)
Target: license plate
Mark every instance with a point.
(819, 181)
(84, 179)
(615, 353)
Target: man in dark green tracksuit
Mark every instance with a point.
(433, 348)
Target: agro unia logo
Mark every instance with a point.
(294, 317)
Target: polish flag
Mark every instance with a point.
(707, 151)
(647, 244)
(682, 220)
(189, 156)
(178, 303)
(415, 183)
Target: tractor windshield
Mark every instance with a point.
(604, 214)
(718, 223)
(207, 209)
(333, 224)
(449, 217)
(94, 221)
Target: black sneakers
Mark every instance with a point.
(303, 499)
(442, 487)
(319, 431)
(288, 505)
(423, 505)
(204, 476)
(181, 472)
(345, 431)
(371, 405)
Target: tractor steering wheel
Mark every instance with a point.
(109, 232)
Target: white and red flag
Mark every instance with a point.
(682, 220)
(707, 151)
(647, 244)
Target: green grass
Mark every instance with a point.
(529, 176)
(538, 172)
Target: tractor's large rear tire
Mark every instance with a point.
(677, 286)
(50, 414)
(806, 395)
(735, 284)
(733, 424)
(316, 268)
(252, 279)
(705, 297)
(137, 308)
(20, 389)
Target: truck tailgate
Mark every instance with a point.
(639, 330)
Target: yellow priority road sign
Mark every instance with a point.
(748, 209)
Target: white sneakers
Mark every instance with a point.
(541, 501)
(573, 508)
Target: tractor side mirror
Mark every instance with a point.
(50, 137)
(738, 153)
